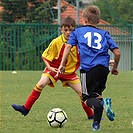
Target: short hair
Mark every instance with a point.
(92, 13)
(68, 22)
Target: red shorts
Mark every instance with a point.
(64, 78)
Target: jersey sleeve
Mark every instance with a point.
(50, 52)
(111, 42)
(73, 39)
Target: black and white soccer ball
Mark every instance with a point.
(57, 118)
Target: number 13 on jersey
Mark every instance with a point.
(97, 41)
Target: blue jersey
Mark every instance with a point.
(93, 44)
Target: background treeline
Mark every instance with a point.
(39, 11)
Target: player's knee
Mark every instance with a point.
(41, 86)
(92, 99)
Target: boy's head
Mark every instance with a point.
(91, 15)
(67, 26)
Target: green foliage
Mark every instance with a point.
(13, 10)
(41, 12)
(15, 88)
(73, 2)
(116, 12)
(31, 11)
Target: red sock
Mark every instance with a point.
(32, 98)
(89, 111)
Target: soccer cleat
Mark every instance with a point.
(109, 112)
(21, 109)
(95, 126)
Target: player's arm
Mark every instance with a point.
(49, 67)
(66, 52)
(49, 54)
(116, 52)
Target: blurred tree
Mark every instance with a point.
(13, 10)
(41, 12)
(73, 2)
(116, 12)
(28, 11)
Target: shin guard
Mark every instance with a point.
(32, 98)
(87, 109)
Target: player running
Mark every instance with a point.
(93, 44)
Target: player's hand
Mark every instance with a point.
(52, 69)
(114, 71)
(61, 70)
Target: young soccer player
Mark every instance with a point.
(52, 57)
(93, 44)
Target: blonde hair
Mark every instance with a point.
(92, 13)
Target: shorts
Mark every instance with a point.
(64, 78)
(94, 81)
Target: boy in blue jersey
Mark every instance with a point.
(93, 44)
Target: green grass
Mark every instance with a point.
(15, 88)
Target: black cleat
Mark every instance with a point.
(21, 109)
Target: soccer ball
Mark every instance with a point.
(57, 118)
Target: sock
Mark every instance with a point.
(87, 109)
(32, 97)
(94, 102)
(98, 113)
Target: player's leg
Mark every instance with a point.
(95, 84)
(107, 101)
(47, 78)
(77, 88)
(97, 104)
(24, 109)
(91, 97)
(36, 92)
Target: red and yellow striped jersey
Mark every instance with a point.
(54, 52)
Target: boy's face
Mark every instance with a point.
(66, 31)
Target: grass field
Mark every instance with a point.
(15, 88)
